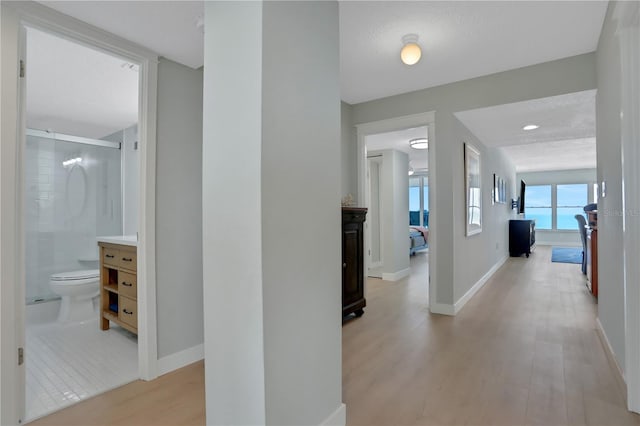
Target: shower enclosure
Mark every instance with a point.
(73, 193)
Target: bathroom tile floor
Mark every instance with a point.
(66, 363)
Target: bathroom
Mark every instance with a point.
(81, 180)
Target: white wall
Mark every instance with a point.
(272, 249)
(568, 238)
(130, 177)
(179, 208)
(394, 213)
(548, 79)
(608, 149)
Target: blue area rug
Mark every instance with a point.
(566, 254)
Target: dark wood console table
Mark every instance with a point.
(353, 300)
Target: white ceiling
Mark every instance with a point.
(565, 139)
(76, 90)
(460, 39)
(399, 140)
(559, 155)
(169, 28)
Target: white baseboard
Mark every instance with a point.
(180, 359)
(607, 345)
(446, 309)
(478, 285)
(395, 276)
(442, 309)
(338, 418)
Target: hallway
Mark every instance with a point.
(524, 350)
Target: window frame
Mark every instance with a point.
(590, 188)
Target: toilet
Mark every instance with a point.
(77, 289)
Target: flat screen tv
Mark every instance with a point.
(523, 187)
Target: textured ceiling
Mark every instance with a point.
(76, 90)
(565, 139)
(560, 155)
(399, 140)
(460, 40)
(168, 28)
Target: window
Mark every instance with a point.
(571, 200)
(419, 202)
(555, 206)
(538, 205)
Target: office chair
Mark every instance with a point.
(582, 223)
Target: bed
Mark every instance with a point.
(418, 239)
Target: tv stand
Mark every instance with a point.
(522, 237)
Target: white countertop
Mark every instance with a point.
(126, 240)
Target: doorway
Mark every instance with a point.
(371, 176)
(80, 165)
(17, 20)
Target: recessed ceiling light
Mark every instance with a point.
(530, 127)
(419, 143)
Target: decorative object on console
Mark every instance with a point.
(347, 200)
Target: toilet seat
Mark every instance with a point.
(76, 275)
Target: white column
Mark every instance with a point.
(628, 16)
(271, 213)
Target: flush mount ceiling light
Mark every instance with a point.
(530, 127)
(419, 143)
(411, 52)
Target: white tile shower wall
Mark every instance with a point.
(57, 235)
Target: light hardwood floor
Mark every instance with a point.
(523, 351)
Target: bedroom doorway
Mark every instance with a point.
(397, 193)
(390, 216)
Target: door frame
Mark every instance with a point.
(389, 125)
(18, 16)
(368, 233)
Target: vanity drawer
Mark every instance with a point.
(128, 311)
(127, 285)
(128, 260)
(110, 256)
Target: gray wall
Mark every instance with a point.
(481, 251)
(179, 208)
(548, 79)
(569, 238)
(272, 273)
(610, 243)
(349, 175)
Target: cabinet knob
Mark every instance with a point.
(344, 265)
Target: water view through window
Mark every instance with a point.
(570, 201)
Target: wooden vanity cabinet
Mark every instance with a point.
(118, 286)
